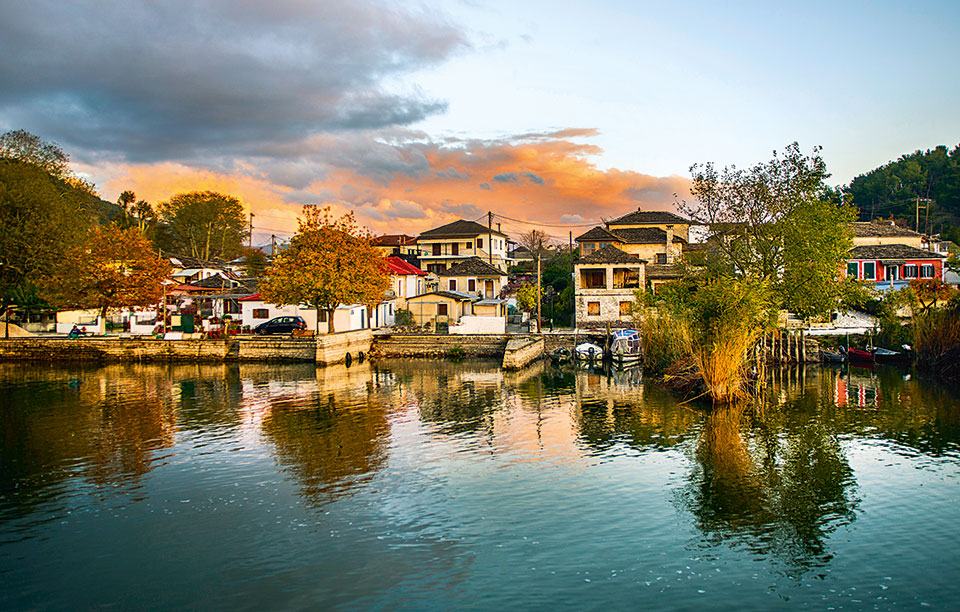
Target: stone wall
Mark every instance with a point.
(343, 346)
(521, 351)
(267, 348)
(427, 345)
(117, 349)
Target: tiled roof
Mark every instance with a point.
(251, 298)
(473, 267)
(394, 240)
(456, 295)
(644, 235)
(650, 217)
(664, 271)
(398, 266)
(459, 229)
(598, 234)
(891, 251)
(215, 282)
(864, 229)
(609, 254)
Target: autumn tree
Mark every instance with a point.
(21, 145)
(535, 241)
(114, 267)
(203, 224)
(327, 263)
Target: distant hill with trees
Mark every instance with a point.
(929, 178)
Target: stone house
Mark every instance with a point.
(441, 307)
(445, 246)
(473, 276)
(656, 236)
(605, 282)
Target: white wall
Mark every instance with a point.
(470, 324)
(346, 318)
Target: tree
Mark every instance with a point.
(815, 243)
(778, 221)
(327, 263)
(203, 224)
(114, 268)
(41, 217)
(21, 145)
(535, 241)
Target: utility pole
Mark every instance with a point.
(539, 310)
(250, 237)
(273, 245)
(490, 235)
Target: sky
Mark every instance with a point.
(554, 115)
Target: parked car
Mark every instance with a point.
(280, 325)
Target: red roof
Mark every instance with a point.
(399, 266)
(394, 240)
(251, 298)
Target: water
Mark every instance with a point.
(437, 485)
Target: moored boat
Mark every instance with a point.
(560, 355)
(588, 351)
(859, 355)
(831, 356)
(626, 346)
(882, 355)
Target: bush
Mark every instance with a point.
(404, 318)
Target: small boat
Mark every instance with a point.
(859, 355)
(882, 355)
(588, 352)
(560, 355)
(831, 357)
(626, 347)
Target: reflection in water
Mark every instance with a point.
(773, 489)
(428, 480)
(331, 436)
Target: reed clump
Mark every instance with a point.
(666, 341)
(936, 334)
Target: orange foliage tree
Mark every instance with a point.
(112, 268)
(327, 263)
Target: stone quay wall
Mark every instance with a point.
(273, 348)
(118, 349)
(427, 345)
(343, 346)
(521, 351)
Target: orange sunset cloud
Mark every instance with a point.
(413, 185)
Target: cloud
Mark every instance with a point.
(192, 79)
(408, 183)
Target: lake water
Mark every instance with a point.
(439, 485)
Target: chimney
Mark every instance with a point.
(669, 256)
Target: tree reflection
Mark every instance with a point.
(772, 482)
(332, 437)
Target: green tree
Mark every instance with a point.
(41, 217)
(778, 221)
(328, 262)
(815, 243)
(113, 268)
(21, 145)
(203, 224)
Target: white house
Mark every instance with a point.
(346, 317)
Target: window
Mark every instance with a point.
(869, 270)
(479, 243)
(593, 309)
(469, 245)
(853, 270)
(453, 284)
(661, 258)
(472, 285)
(910, 271)
(588, 247)
(626, 278)
(437, 249)
(455, 248)
(441, 310)
(593, 279)
(927, 271)
(626, 309)
(261, 313)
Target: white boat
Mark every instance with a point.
(588, 352)
(626, 346)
